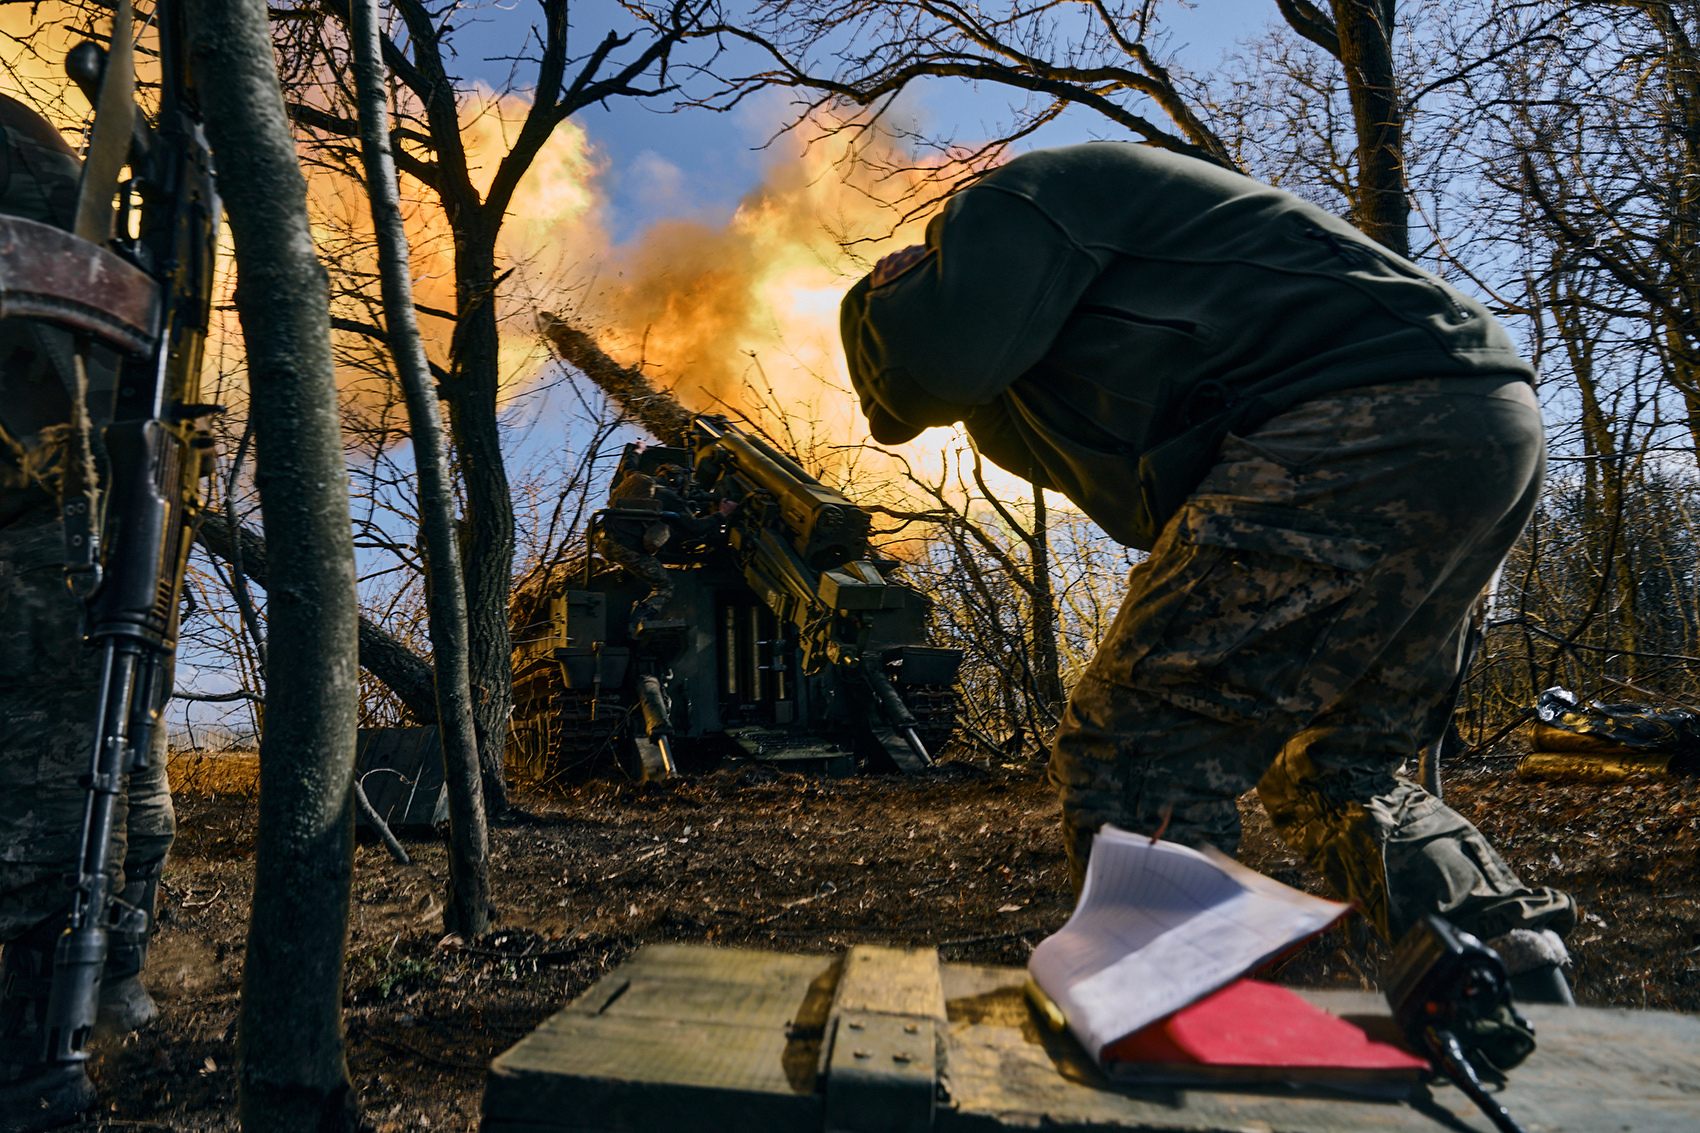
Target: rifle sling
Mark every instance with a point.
(109, 141)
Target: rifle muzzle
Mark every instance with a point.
(74, 1002)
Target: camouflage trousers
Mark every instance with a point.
(1297, 629)
(49, 686)
(645, 568)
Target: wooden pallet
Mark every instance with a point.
(686, 1038)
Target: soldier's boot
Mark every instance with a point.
(125, 1004)
(34, 1094)
(1535, 959)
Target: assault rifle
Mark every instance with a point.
(149, 296)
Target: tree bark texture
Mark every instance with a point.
(1381, 208)
(382, 654)
(487, 539)
(467, 910)
(1047, 659)
(292, 1071)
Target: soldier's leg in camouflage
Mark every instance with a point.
(1202, 676)
(48, 692)
(1396, 849)
(1126, 757)
(125, 1004)
(1304, 555)
(34, 1094)
(1449, 485)
(1143, 745)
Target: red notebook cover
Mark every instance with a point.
(1253, 1031)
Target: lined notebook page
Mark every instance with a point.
(1159, 925)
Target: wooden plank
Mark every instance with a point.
(1594, 1070)
(640, 1075)
(692, 1039)
(682, 963)
(735, 985)
(891, 981)
(680, 1037)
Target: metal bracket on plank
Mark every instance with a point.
(883, 1052)
(881, 1073)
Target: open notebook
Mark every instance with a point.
(1158, 928)
(1251, 1032)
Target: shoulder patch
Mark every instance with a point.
(899, 264)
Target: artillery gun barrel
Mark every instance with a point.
(826, 528)
(657, 410)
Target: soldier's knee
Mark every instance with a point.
(146, 854)
(1283, 796)
(1078, 833)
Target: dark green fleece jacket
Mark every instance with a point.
(1101, 315)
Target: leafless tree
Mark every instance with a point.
(467, 909)
(1100, 56)
(1577, 128)
(293, 1074)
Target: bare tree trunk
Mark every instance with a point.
(1359, 33)
(488, 535)
(1380, 206)
(467, 910)
(1047, 663)
(657, 410)
(293, 1074)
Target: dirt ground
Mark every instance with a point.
(967, 859)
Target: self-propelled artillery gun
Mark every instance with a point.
(786, 638)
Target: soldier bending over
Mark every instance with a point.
(1328, 452)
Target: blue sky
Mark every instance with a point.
(699, 164)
